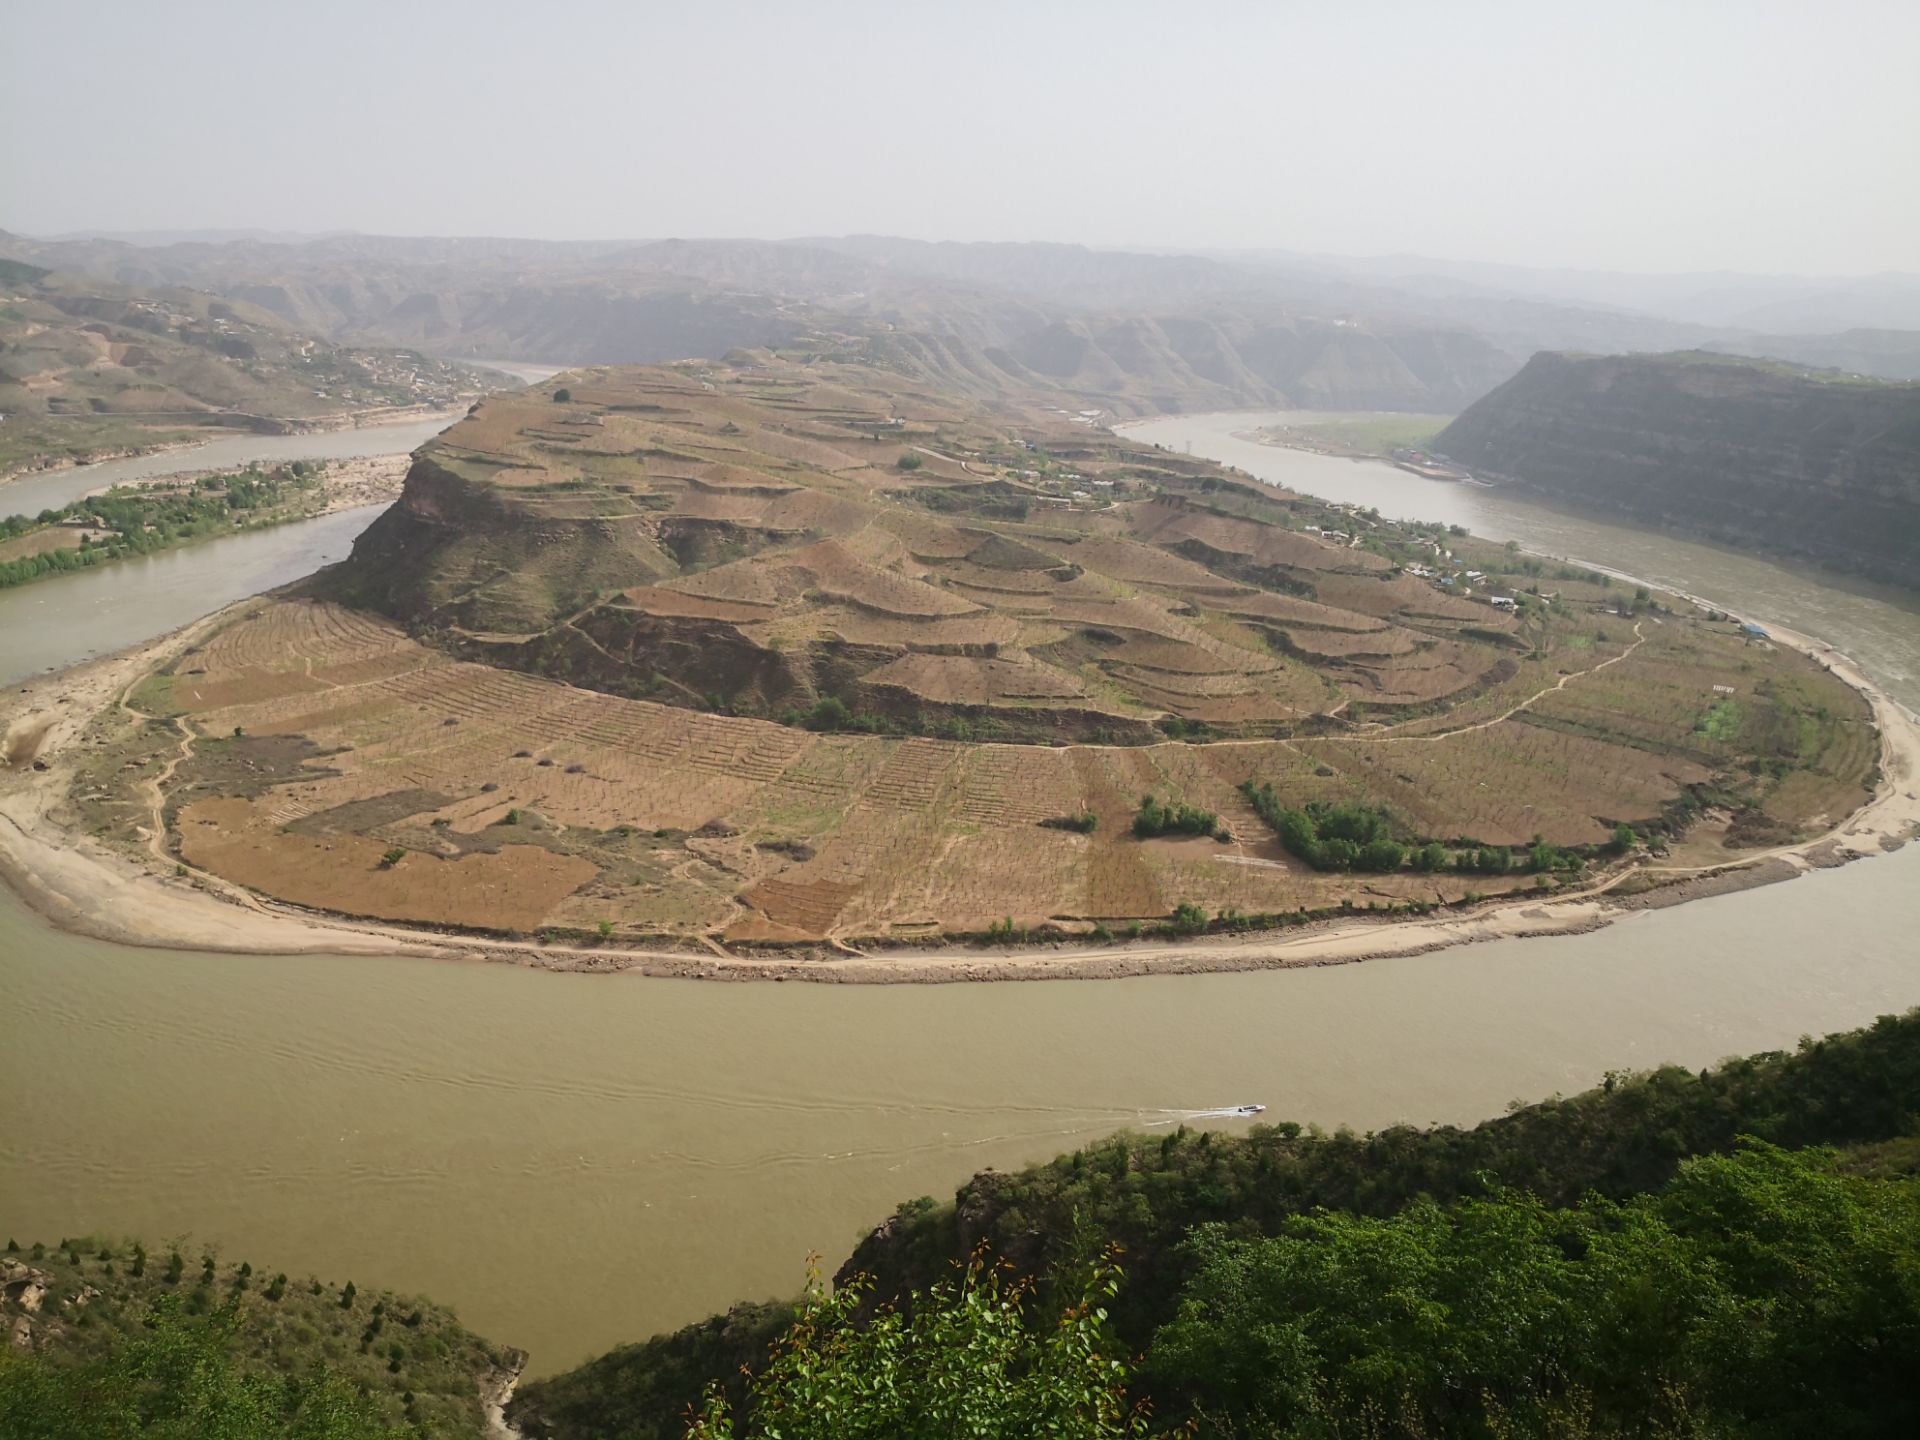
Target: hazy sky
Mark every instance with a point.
(1682, 134)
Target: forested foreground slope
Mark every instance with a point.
(1732, 1252)
(1728, 1252)
(1751, 453)
(102, 1339)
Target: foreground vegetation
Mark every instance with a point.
(113, 1339)
(1728, 1252)
(178, 1377)
(1731, 1252)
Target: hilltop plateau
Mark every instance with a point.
(1755, 454)
(776, 652)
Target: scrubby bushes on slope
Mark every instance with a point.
(1762, 1293)
(109, 1340)
(179, 1377)
(970, 1357)
(1177, 1206)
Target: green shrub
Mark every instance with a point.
(178, 1376)
(1755, 1293)
(829, 713)
(1330, 837)
(1154, 818)
(972, 1356)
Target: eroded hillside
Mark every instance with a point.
(1134, 333)
(772, 537)
(90, 367)
(782, 652)
(1755, 454)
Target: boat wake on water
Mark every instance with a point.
(1225, 1112)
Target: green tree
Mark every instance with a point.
(830, 713)
(1382, 856)
(1338, 853)
(970, 1357)
(563, 396)
(1154, 818)
(1759, 1294)
(176, 1377)
(1188, 918)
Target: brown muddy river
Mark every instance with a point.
(575, 1161)
(51, 489)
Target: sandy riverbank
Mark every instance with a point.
(316, 425)
(346, 484)
(84, 886)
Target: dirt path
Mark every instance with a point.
(156, 788)
(954, 460)
(1381, 735)
(86, 887)
(1639, 639)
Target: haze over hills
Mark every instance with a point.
(1783, 303)
(89, 366)
(1883, 354)
(1140, 333)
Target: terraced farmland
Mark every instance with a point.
(693, 656)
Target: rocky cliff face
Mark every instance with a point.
(1752, 454)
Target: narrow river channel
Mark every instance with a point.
(51, 489)
(575, 1161)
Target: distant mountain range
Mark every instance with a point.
(1137, 332)
(1797, 304)
(90, 366)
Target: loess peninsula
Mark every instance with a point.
(779, 651)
